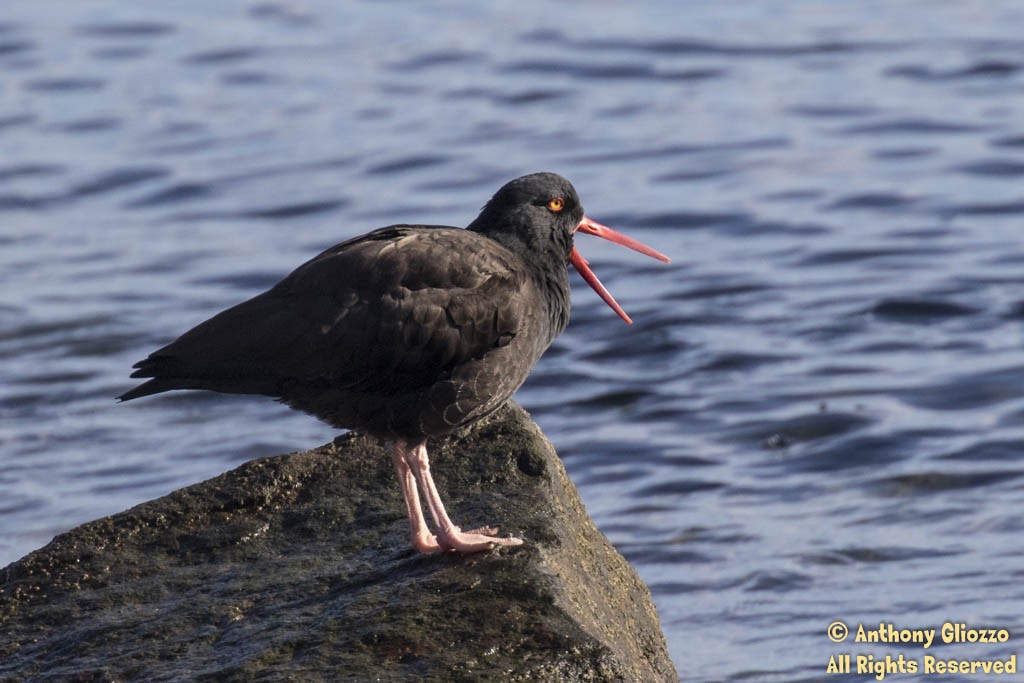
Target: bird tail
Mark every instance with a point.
(153, 386)
(156, 367)
(169, 373)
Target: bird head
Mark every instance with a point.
(542, 211)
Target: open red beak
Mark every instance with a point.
(579, 263)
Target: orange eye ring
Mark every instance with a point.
(556, 204)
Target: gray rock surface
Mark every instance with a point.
(299, 568)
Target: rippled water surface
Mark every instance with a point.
(819, 413)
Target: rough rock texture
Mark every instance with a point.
(299, 568)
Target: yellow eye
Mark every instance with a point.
(556, 204)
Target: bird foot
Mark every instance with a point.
(475, 541)
(426, 543)
(413, 467)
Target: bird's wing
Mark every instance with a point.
(398, 307)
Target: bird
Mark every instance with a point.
(406, 333)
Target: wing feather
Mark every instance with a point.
(393, 313)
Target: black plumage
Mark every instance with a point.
(407, 332)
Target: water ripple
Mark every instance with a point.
(967, 392)
(1008, 168)
(68, 84)
(996, 208)
(937, 482)
(620, 70)
(919, 310)
(1011, 141)
(885, 201)
(19, 171)
(138, 29)
(175, 194)
(10, 47)
(913, 126)
(16, 120)
(409, 163)
(698, 47)
(221, 56)
(278, 212)
(442, 58)
(983, 69)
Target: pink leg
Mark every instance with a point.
(449, 536)
(422, 539)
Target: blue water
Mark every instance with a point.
(819, 413)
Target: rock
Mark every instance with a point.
(299, 567)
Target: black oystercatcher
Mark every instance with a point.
(408, 332)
